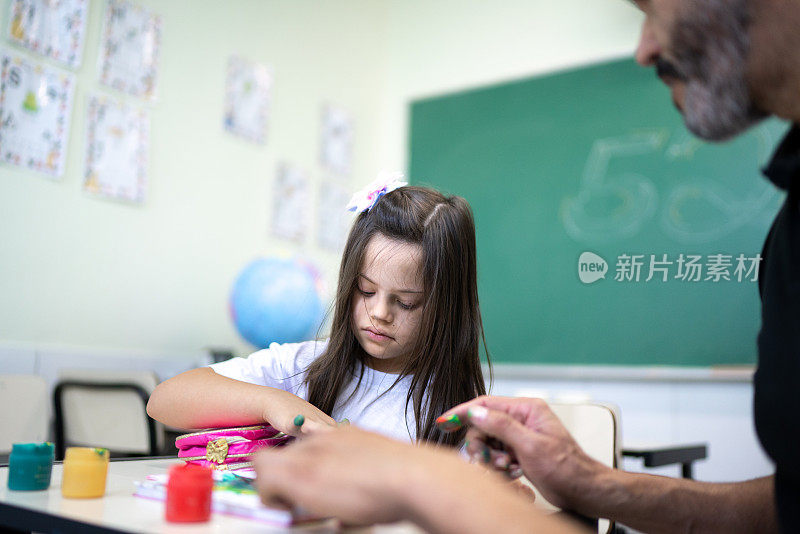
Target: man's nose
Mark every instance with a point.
(648, 49)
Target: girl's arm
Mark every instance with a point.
(201, 398)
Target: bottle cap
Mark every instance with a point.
(190, 474)
(33, 449)
(86, 454)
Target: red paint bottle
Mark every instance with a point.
(189, 493)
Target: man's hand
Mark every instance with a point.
(354, 475)
(526, 432)
(364, 478)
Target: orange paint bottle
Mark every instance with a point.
(85, 472)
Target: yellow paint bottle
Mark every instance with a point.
(85, 472)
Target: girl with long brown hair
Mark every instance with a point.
(404, 342)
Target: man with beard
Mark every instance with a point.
(728, 64)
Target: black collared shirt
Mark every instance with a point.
(777, 379)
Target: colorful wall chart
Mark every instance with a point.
(336, 144)
(130, 49)
(35, 109)
(117, 140)
(291, 201)
(53, 28)
(247, 96)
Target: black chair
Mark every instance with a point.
(109, 414)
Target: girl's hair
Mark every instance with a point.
(444, 363)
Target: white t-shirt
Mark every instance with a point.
(372, 407)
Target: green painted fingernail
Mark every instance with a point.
(344, 421)
(487, 455)
(449, 423)
(299, 420)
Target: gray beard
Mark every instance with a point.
(711, 50)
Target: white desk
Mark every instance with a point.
(119, 511)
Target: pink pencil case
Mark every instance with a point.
(228, 448)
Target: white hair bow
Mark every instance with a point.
(366, 198)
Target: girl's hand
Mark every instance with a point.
(292, 415)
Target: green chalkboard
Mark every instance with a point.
(598, 160)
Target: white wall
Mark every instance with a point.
(448, 45)
(89, 272)
(82, 271)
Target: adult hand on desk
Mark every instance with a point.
(361, 477)
(531, 435)
(350, 474)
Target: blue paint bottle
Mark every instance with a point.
(30, 466)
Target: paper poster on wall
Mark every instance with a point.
(35, 110)
(53, 28)
(247, 95)
(291, 198)
(129, 51)
(336, 144)
(117, 137)
(333, 220)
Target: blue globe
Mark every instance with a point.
(276, 300)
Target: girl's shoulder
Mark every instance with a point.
(281, 365)
(295, 356)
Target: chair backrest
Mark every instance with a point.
(106, 409)
(595, 427)
(24, 410)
